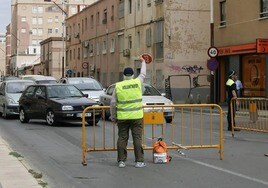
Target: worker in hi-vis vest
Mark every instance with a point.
(126, 110)
(231, 94)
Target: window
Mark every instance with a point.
(86, 24)
(139, 5)
(85, 53)
(40, 10)
(34, 20)
(23, 30)
(78, 53)
(121, 42)
(112, 13)
(82, 26)
(264, 9)
(149, 3)
(92, 21)
(34, 42)
(91, 49)
(40, 21)
(56, 19)
(129, 42)
(104, 21)
(222, 13)
(23, 19)
(73, 10)
(158, 2)
(148, 37)
(129, 6)
(121, 9)
(158, 39)
(49, 31)
(50, 20)
(34, 31)
(34, 9)
(104, 49)
(98, 49)
(56, 30)
(138, 39)
(40, 32)
(98, 18)
(112, 45)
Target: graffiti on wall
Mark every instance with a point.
(186, 68)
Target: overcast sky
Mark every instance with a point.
(5, 14)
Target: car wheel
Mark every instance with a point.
(50, 118)
(97, 119)
(168, 120)
(23, 116)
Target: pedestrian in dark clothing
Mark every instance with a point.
(231, 94)
(126, 110)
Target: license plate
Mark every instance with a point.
(86, 115)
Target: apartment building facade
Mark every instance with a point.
(176, 33)
(242, 42)
(33, 21)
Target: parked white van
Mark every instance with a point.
(40, 79)
(10, 92)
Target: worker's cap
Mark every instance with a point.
(128, 71)
(231, 73)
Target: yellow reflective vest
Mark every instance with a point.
(129, 99)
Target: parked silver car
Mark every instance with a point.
(10, 92)
(87, 85)
(150, 96)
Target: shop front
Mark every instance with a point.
(249, 61)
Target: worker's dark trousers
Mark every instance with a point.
(229, 118)
(123, 135)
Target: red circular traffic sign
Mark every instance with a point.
(85, 65)
(213, 52)
(147, 57)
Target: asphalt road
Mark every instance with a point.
(56, 153)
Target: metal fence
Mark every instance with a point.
(251, 114)
(193, 126)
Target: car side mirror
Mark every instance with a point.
(86, 95)
(163, 94)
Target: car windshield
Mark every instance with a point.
(86, 84)
(63, 91)
(18, 87)
(148, 90)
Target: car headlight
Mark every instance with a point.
(11, 101)
(67, 108)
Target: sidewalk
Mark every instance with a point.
(13, 171)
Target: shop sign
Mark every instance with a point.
(262, 45)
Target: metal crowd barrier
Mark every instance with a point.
(193, 126)
(251, 114)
